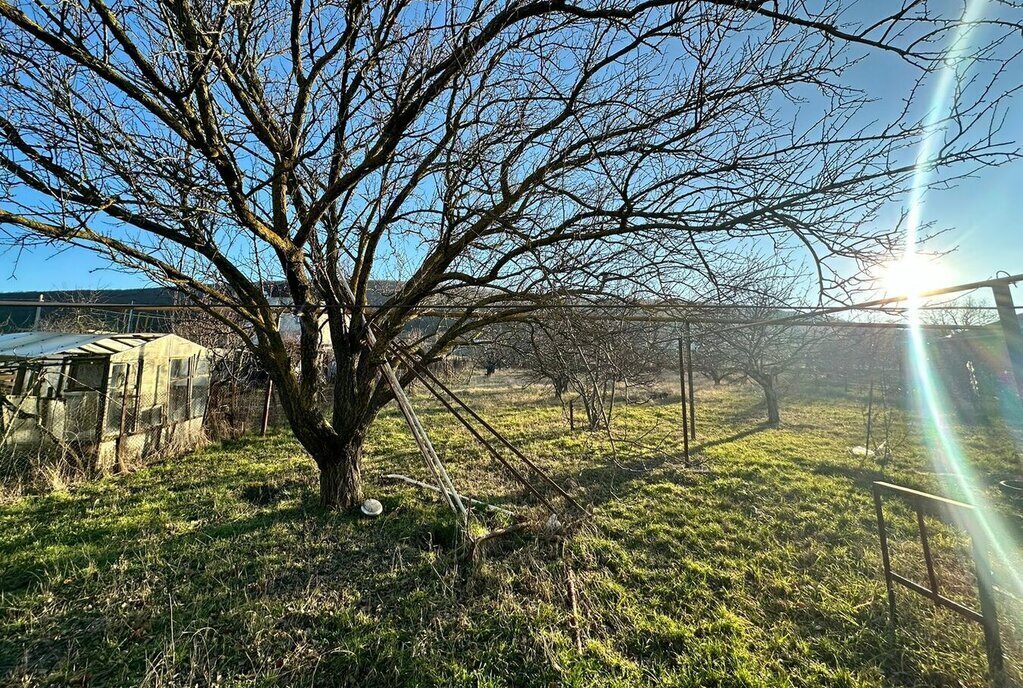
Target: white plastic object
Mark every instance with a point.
(372, 507)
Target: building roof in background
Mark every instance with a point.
(27, 345)
(23, 317)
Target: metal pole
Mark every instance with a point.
(692, 387)
(885, 560)
(266, 406)
(1011, 332)
(870, 418)
(685, 413)
(925, 543)
(122, 424)
(1003, 281)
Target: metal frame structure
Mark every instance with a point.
(954, 513)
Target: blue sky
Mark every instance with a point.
(979, 215)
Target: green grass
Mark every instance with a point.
(217, 568)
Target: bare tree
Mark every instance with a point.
(968, 311)
(757, 349)
(713, 357)
(484, 148)
(488, 348)
(599, 354)
(76, 319)
(534, 349)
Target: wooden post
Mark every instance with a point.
(266, 406)
(1013, 338)
(685, 413)
(131, 313)
(571, 414)
(1011, 332)
(692, 387)
(986, 597)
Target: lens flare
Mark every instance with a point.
(912, 275)
(933, 404)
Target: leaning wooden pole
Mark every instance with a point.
(422, 440)
(482, 440)
(502, 439)
(433, 461)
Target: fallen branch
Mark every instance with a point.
(574, 599)
(427, 486)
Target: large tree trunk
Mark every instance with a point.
(356, 398)
(768, 384)
(338, 458)
(771, 397)
(337, 446)
(338, 455)
(341, 479)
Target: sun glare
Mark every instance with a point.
(913, 275)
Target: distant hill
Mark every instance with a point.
(18, 318)
(13, 318)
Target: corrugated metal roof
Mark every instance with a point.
(60, 344)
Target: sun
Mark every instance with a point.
(912, 275)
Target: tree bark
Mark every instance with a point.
(337, 446)
(341, 478)
(340, 457)
(560, 385)
(771, 399)
(767, 384)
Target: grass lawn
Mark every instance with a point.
(218, 569)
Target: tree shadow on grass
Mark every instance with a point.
(760, 534)
(315, 598)
(596, 485)
(86, 545)
(735, 437)
(860, 477)
(336, 600)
